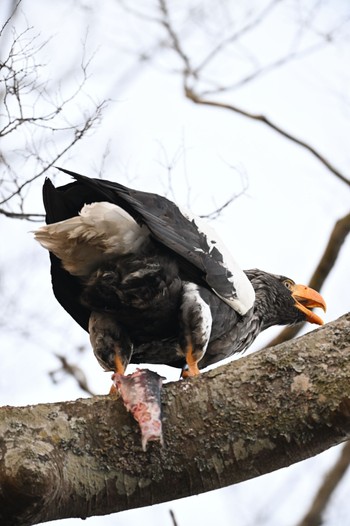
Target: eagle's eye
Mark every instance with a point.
(288, 283)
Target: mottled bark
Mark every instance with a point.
(255, 415)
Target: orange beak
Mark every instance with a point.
(306, 298)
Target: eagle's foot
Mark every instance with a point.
(140, 392)
(119, 369)
(192, 358)
(113, 390)
(190, 371)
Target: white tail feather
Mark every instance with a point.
(102, 230)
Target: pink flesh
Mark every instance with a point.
(140, 392)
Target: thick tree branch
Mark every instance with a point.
(253, 416)
(339, 233)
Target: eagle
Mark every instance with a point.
(152, 283)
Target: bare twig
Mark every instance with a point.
(13, 8)
(175, 40)
(79, 133)
(214, 214)
(235, 36)
(259, 71)
(36, 121)
(74, 371)
(28, 216)
(173, 518)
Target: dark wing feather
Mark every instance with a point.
(68, 290)
(170, 228)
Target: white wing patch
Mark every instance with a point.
(101, 231)
(243, 294)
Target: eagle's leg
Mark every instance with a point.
(119, 368)
(140, 391)
(111, 346)
(192, 358)
(196, 322)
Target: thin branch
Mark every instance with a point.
(78, 135)
(28, 216)
(252, 24)
(314, 516)
(36, 120)
(194, 97)
(264, 70)
(11, 16)
(173, 518)
(72, 370)
(214, 214)
(339, 233)
(176, 44)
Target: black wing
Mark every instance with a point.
(199, 257)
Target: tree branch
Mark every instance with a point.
(31, 116)
(73, 370)
(339, 233)
(194, 97)
(331, 481)
(175, 41)
(252, 416)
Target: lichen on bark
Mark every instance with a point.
(252, 416)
